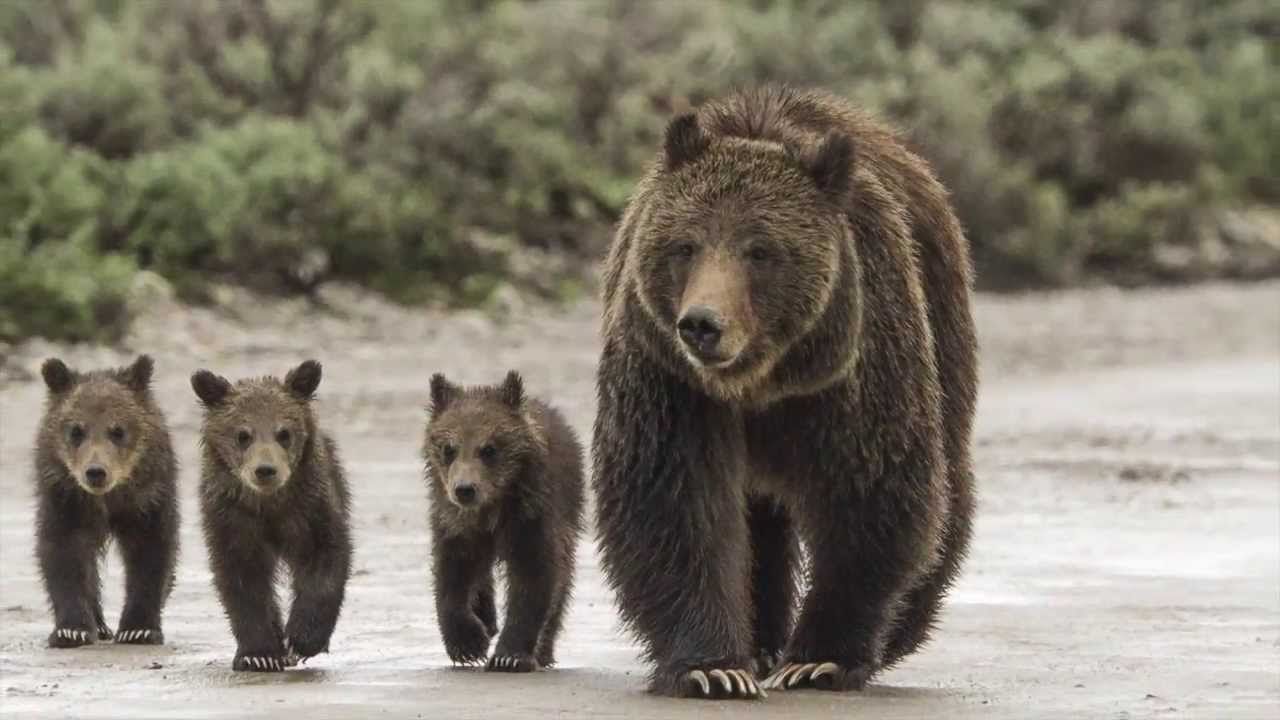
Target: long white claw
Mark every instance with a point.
(724, 680)
(827, 668)
(701, 678)
(801, 674)
(740, 683)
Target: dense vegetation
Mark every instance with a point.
(414, 145)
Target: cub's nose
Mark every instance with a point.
(465, 493)
(265, 473)
(700, 329)
(96, 476)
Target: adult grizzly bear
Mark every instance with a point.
(788, 354)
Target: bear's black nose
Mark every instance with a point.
(700, 328)
(96, 476)
(465, 493)
(265, 472)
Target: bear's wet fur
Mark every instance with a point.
(272, 490)
(788, 354)
(104, 469)
(505, 484)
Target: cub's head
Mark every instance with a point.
(479, 440)
(739, 254)
(261, 428)
(99, 424)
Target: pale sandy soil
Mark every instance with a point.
(1126, 562)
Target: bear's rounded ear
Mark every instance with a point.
(512, 390)
(304, 379)
(443, 392)
(685, 141)
(57, 376)
(830, 163)
(211, 389)
(137, 377)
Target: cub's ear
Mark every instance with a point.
(830, 163)
(512, 390)
(137, 377)
(304, 379)
(211, 389)
(685, 141)
(443, 393)
(57, 376)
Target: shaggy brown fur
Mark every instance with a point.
(272, 489)
(105, 468)
(788, 353)
(505, 481)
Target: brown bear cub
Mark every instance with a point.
(272, 489)
(505, 483)
(105, 469)
(788, 356)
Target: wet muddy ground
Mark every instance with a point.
(1126, 562)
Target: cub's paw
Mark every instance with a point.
(512, 663)
(301, 647)
(69, 637)
(821, 676)
(732, 683)
(139, 636)
(105, 634)
(259, 663)
(466, 640)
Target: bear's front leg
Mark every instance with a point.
(531, 585)
(148, 544)
(775, 553)
(67, 549)
(671, 512)
(462, 567)
(244, 569)
(869, 547)
(319, 586)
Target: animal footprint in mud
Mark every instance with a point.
(519, 663)
(142, 636)
(717, 684)
(259, 663)
(822, 676)
(70, 638)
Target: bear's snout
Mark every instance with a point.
(700, 329)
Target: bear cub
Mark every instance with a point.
(271, 490)
(505, 482)
(104, 469)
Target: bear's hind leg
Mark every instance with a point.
(773, 588)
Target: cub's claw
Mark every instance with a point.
(732, 683)
(822, 676)
(69, 638)
(141, 636)
(512, 664)
(259, 663)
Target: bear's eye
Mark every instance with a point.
(244, 437)
(684, 249)
(76, 434)
(448, 453)
(488, 453)
(283, 437)
(116, 433)
(758, 253)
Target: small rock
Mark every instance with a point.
(155, 666)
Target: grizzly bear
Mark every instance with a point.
(505, 479)
(272, 489)
(788, 354)
(104, 469)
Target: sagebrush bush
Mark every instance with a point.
(413, 145)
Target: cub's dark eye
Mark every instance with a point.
(76, 434)
(448, 453)
(116, 433)
(244, 437)
(283, 437)
(758, 253)
(488, 453)
(684, 249)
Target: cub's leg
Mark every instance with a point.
(463, 568)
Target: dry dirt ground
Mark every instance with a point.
(1126, 562)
